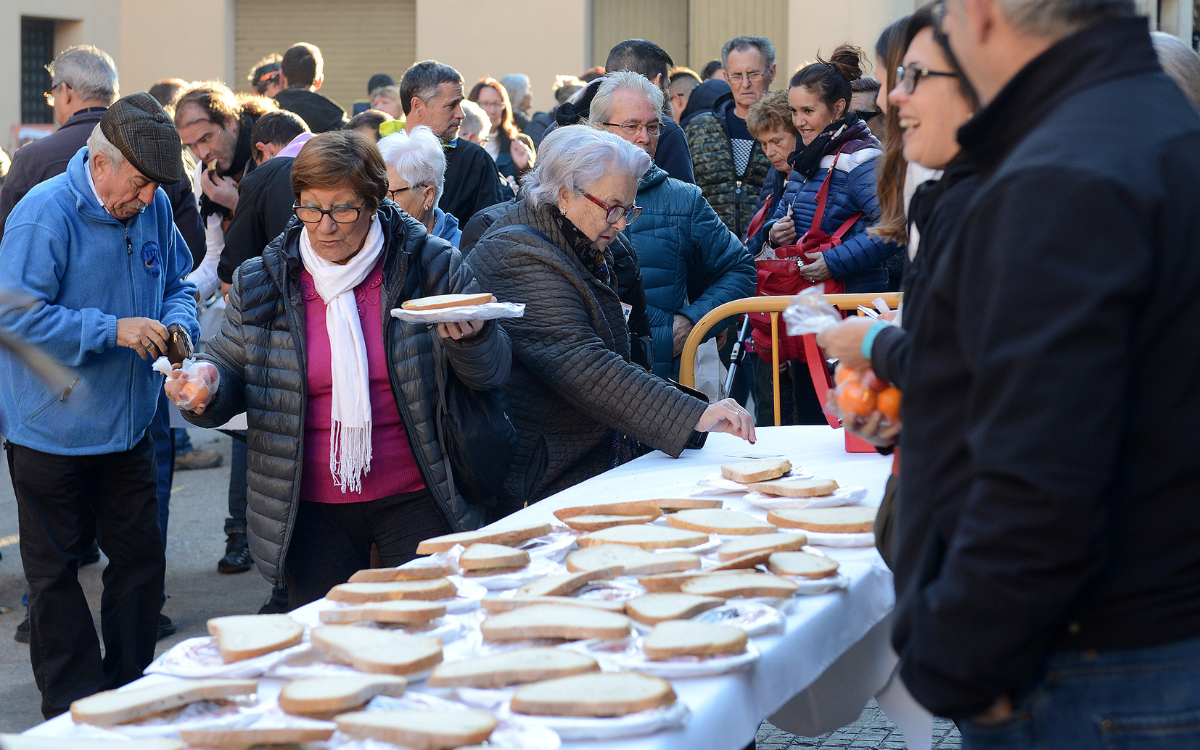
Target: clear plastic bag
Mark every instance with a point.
(810, 313)
(201, 385)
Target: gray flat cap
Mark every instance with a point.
(143, 131)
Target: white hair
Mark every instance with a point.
(417, 157)
(623, 80)
(98, 144)
(88, 70)
(517, 85)
(475, 120)
(1058, 18)
(574, 157)
(1180, 62)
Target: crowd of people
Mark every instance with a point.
(1036, 519)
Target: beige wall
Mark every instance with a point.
(817, 26)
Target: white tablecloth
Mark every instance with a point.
(820, 630)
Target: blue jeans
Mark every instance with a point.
(1135, 699)
(237, 487)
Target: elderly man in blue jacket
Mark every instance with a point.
(102, 268)
(691, 263)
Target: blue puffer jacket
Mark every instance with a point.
(859, 260)
(679, 238)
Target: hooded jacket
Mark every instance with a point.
(318, 111)
(261, 359)
(679, 238)
(446, 226)
(84, 270)
(731, 195)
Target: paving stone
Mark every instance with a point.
(872, 731)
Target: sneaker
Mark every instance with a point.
(22, 634)
(237, 555)
(165, 626)
(277, 604)
(201, 458)
(91, 555)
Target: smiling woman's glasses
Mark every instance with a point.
(339, 214)
(912, 76)
(615, 212)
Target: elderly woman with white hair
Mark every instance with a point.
(416, 165)
(579, 404)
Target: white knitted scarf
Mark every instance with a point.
(350, 437)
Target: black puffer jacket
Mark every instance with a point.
(261, 358)
(572, 381)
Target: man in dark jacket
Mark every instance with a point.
(730, 164)
(653, 62)
(302, 77)
(431, 94)
(1048, 575)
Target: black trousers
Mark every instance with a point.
(332, 541)
(55, 495)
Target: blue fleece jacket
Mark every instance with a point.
(446, 226)
(84, 270)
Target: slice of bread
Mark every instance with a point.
(669, 582)
(555, 621)
(749, 560)
(718, 521)
(321, 696)
(596, 517)
(512, 668)
(848, 519)
(359, 593)
(563, 584)
(674, 638)
(377, 651)
(510, 536)
(497, 604)
(686, 503)
(603, 694)
(793, 487)
(249, 737)
(646, 536)
(442, 301)
(246, 636)
(411, 573)
(484, 556)
(113, 707)
(597, 521)
(802, 564)
(27, 742)
(749, 585)
(633, 561)
(402, 612)
(756, 471)
(779, 542)
(420, 729)
(651, 609)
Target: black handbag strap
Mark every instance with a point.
(441, 365)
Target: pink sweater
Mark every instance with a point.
(393, 468)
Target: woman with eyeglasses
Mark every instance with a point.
(511, 149)
(416, 165)
(340, 397)
(579, 404)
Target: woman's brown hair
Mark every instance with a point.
(508, 131)
(891, 167)
(342, 157)
(830, 79)
(770, 113)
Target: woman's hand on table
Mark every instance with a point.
(459, 331)
(727, 416)
(876, 429)
(843, 342)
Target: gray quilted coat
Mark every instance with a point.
(572, 380)
(260, 355)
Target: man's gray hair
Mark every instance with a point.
(98, 144)
(743, 43)
(1180, 62)
(417, 157)
(517, 85)
(91, 72)
(475, 120)
(1058, 18)
(422, 81)
(575, 157)
(623, 80)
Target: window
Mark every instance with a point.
(37, 51)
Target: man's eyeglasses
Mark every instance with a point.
(50, 94)
(631, 129)
(616, 211)
(393, 193)
(339, 214)
(754, 76)
(912, 76)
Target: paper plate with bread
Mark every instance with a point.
(456, 308)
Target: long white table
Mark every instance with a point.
(833, 654)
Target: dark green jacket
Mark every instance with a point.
(731, 196)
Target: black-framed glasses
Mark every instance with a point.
(866, 115)
(631, 129)
(339, 214)
(754, 76)
(910, 76)
(615, 212)
(393, 193)
(50, 94)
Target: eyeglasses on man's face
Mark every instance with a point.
(50, 94)
(754, 76)
(910, 76)
(615, 212)
(632, 128)
(339, 214)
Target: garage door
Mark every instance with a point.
(357, 38)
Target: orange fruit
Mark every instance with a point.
(846, 375)
(872, 381)
(888, 403)
(194, 392)
(854, 399)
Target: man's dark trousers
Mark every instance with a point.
(52, 494)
